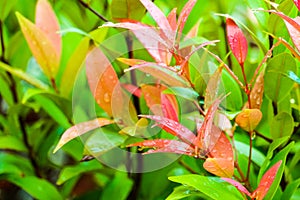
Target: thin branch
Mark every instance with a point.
(93, 11)
(263, 137)
(2, 58)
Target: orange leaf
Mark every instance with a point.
(237, 41)
(80, 129)
(257, 92)
(103, 80)
(40, 46)
(46, 20)
(152, 98)
(169, 106)
(266, 182)
(220, 160)
(248, 119)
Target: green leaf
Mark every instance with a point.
(14, 164)
(275, 144)
(72, 171)
(12, 143)
(213, 187)
(36, 187)
(261, 17)
(103, 140)
(5, 7)
(53, 110)
(127, 9)
(5, 91)
(257, 156)
(277, 86)
(118, 188)
(186, 93)
(181, 192)
(282, 125)
(290, 189)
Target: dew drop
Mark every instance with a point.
(106, 98)
(253, 136)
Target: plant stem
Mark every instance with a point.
(2, 58)
(93, 11)
(264, 137)
(250, 157)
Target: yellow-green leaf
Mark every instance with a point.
(40, 46)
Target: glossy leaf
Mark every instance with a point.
(14, 164)
(167, 146)
(248, 119)
(127, 9)
(187, 93)
(282, 125)
(160, 19)
(257, 92)
(237, 41)
(172, 19)
(36, 187)
(184, 14)
(152, 97)
(174, 128)
(238, 185)
(182, 192)
(294, 33)
(80, 129)
(40, 46)
(211, 186)
(266, 182)
(71, 171)
(169, 106)
(103, 80)
(45, 20)
(220, 159)
(277, 85)
(212, 88)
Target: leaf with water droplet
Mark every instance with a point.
(257, 92)
(46, 20)
(220, 159)
(238, 185)
(237, 41)
(41, 47)
(248, 119)
(103, 80)
(80, 129)
(266, 182)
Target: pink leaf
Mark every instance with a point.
(297, 3)
(185, 12)
(174, 128)
(266, 182)
(167, 146)
(80, 129)
(238, 185)
(287, 19)
(237, 41)
(46, 20)
(132, 89)
(160, 19)
(172, 19)
(294, 33)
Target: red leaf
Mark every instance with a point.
(209, 134)
(297, 3)
(152, 97)
(103, 80)
(266, 182)
(238, 185)
(46, 20)
(169, 106)
(80, 129)
(185, 12)
(174, 128)
(294, 33)
(164, 145)
(287, 19)
(237, 41)
(161, 20)
(220, 159)
(172, 19)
